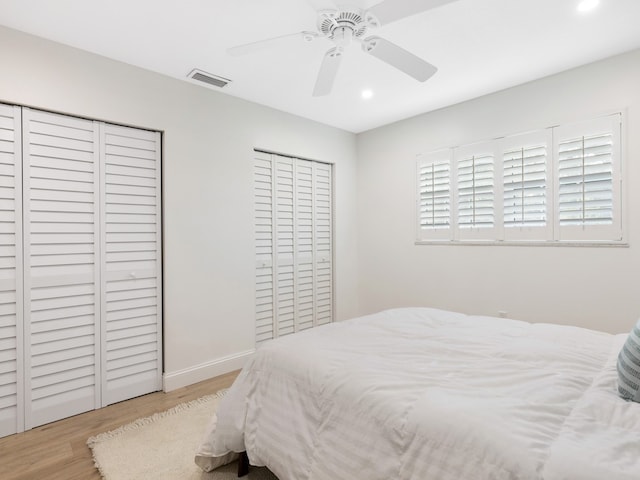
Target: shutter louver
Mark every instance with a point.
(131, 265)
(525, 187)
(475, 192)
(11, 327)
(585, 180)
(61, 235)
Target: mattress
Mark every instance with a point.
(426, 394)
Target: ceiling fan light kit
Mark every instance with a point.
(344, 25)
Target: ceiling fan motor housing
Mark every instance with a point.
(344, 25)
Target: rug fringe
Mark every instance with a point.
(140, 422)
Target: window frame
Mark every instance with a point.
(552, 233)
(607, 233)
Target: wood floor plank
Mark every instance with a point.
(58, 451)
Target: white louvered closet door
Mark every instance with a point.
(293, 221)
(80, 266)
(11, 326)
(304, 245)
(313, 244)
(264, 231)
(284, 245)
(61, 266)
(323, 233)
(131, 267)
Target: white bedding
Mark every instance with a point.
(425, 394)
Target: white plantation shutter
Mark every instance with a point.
(525, 187)
(293, 227)
(61, 266)
(434, 196)
(588, 180)
(131, 263)
(558, 185)
(476, 191)
(11, 318)
(526, 173)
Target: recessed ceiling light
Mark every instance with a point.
(367, 94)
(587, 5)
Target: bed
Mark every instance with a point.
(426, 394)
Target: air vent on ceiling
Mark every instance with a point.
(208, 78)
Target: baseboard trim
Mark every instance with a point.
(205, 371)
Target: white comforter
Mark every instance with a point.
(425, 394)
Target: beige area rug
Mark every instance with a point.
(162, 447)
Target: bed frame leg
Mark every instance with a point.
(243, 464)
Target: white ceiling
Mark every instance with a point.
(479, 46)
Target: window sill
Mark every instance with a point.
(528, 243)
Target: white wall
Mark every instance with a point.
(208, 192)
(208, 230)
(590, 287)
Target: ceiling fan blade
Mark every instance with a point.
(391, 10)
(270, 43)
(328, 72)
(399, 58)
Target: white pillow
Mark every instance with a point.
(629, 366)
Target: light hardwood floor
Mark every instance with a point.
(58, 451)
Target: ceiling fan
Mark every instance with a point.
(344, 25)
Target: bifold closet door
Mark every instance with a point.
(293, 226)
(61, 266)
(313, 244)
(264, 232)
(323, 243)
(131, 265)
(80, 266)
(11, 325)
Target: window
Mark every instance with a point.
(475, 191)
(526, 180)
(434, 209)
(560, 184)
(588, 179)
